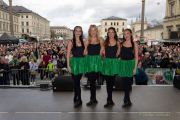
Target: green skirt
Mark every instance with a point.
(77, 65)
(110, 66)
(93, 63)
(126, 68)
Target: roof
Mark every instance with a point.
(21, 9)
(2, 3)
(114, 18)
(4, 6)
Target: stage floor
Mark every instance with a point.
(149, 103)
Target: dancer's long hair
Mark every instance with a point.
(80, 37)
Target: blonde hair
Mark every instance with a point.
(89, 33)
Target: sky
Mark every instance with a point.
(85, 12)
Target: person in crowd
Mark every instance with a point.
(42, 69)
(1, 71)
(50, 69)
(128, 64)
(6, 71)
(75, 62)
(93, 49)
(14, 66)
(110, 63)
(24, 71)
(33, 71)
(141, 77)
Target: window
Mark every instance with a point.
(111, 23)
(0, 25)
(123, 23)
(105, 23)
(3, 26)
(117, 23)
(21, 16)
(26, 16)
(27, 30)
(114, 23)
(22, 23)
(22, 30)
(122, 29)
(105, 29)
(27, 23)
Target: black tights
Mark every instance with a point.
(92, 77)
(109, 86)
(127, 85)
(77, 87)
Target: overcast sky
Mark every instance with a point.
(85, 12)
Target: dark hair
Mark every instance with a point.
(80, 38)
(124, 39)
(107, 38)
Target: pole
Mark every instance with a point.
(11, 18)
(142, 22)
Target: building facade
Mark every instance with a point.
(61, 32)
(172, 19)
(32, 24)
(136, 26)
(5, 20)
(118, 23)
(151, 33)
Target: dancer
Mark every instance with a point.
(128, 64)
(75, 63)
(93, 49)
(110, 63)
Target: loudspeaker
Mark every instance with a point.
(63, 83)
(118, 84)
(176, 81)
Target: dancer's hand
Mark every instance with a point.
(134, 72)
(69, 69)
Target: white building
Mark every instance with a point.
(5, 20)
(118, 23)
(32, 24)
(61, 32)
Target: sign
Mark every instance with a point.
(160, 76)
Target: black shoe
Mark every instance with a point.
(92, 102)
(75, 100)
(109, 104)
(77, 104)
(127, 104)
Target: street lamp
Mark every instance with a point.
(11, 17)
(142, 22)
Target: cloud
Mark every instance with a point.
(84, 12)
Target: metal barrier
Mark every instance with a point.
(21, 77)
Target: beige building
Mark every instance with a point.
(151, 33)
(5, 20)
(61, 32)
(32, 24)
(172, 19)
(118, 23)
(136, 26)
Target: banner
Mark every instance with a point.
(160, 76)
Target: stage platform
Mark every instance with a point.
(149, 103)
